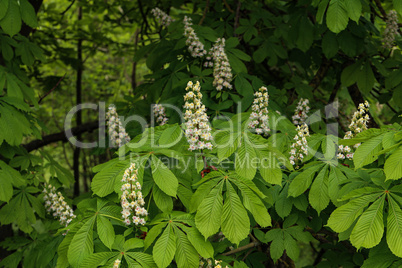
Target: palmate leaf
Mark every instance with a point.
(165, 247)
(369, 228)
(318, 195)
(343, 217)
(235, 222)
(6, 188)
(186, 255)
(152, 234)
(394, 227)
(336, 177)
(11, 22)
(82, 243)
(208, 217)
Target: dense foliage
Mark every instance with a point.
(239, 133)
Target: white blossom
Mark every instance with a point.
(162, 18)
(391, 30)
(197, 128)
(131, 200)
(195, 47)
(160, 115)
(55, 203)
(299, 149)
(259, 115)
(116, 263)
(222, 71)
(358, 124)
(117, 133)
(301, 112)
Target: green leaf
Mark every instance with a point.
(306, 34)
(3, 8)
(398, 6)
(322, 7)
(269, 170)
(165, 247)
(145, 260)
(365, 78)
(28, 14)
(291, 247)
(245, 164)
(208, 217)
(153, 234)
(98, 259)
(82, 244)
(277, 246)
(367, 152)
(354, 8)
(283, 204)
(394, 227)
(163, 177)
(171, 136)
(343, 217)
(201, 192)
(235, 222)
(186, 255)
(13, 90)
(318, 195)
(203, 246)
(330, 45)
(369, 228)
(303, 180)
(103, 182)
(254, 204)
(133, 243)
(6, 188)
(393, 165)
(349, 74)
(162, 200)
(105, 231)
(336, 177)
(11, 22)
(337, 16)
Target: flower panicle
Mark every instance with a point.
(56, 204)
(116, 263)
(391, 29)
(160, 115)
(198, 130)
(131, 200)
(222, 71)
(358, 124)
(195, 47)
(299, 149)
(259, 115)
(117, 133)
(301, 112)
(161, 17)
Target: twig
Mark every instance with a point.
(205, 13)
(50, 91)
(227, 6)
(236, 23)
(68, 8)
(251, 245)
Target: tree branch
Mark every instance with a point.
(50, 91)
(251, 245)
(60, 136)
